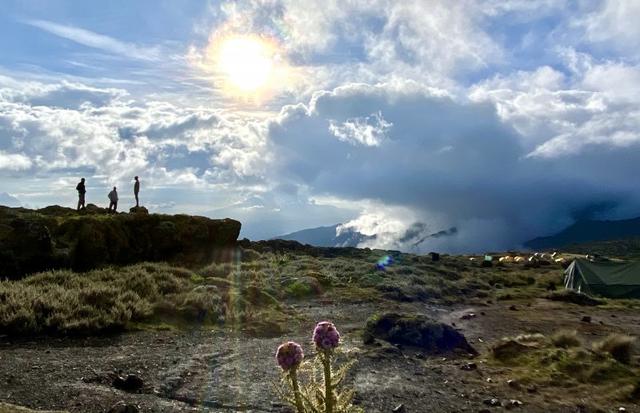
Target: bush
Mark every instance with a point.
(107, 299)
(620, 347)
(571, 296)
(566, 339)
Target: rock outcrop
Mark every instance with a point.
(57, 237)
(416, 331)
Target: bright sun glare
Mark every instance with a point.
(246, 62)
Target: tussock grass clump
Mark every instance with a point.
(68, 302)
(562, 361)
(619, 346)
(571, 296)
(566, 339)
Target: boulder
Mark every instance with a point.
(417, 331)
(130, 383)
(138, 210)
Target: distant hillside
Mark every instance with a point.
(623, 248)
(586, 231)
(327, 237)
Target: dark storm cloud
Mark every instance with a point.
(442, 158)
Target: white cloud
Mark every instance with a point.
(14, 161)
(365, 130)
(96, 40)
(614, 24)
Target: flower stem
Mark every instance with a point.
(328, 387)
(296, 390)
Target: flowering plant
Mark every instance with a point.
(321, 393)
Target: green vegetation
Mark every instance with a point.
(114, 298)
(566, 339)
(10, 408)
(57, 237)
(564, 362)
(619, 346)
(571, 296)
(246, 287)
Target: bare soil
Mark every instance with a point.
(214, 370)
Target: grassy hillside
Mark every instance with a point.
(249, 290)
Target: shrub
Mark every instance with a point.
(620, 347)
(571, 296)
(566, 339)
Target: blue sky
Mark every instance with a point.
(506, 119)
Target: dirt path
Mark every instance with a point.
(226, 371)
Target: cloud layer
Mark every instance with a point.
(505, 120)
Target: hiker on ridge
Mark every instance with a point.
(113, 198)
(81, 191)
(136, 190)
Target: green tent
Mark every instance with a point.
(607, 279)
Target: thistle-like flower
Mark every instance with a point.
(289, 355)
(326, 336)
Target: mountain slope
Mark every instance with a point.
(588, 231)
(327, 237)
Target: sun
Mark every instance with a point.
(246, 62)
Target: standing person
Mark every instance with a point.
(113, 198)
(81, 191)
(136, 191)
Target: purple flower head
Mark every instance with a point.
(289, 355)
(326, 336)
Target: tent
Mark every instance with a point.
(607, 279)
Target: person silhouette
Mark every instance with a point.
(136, 191)
(113, 200)
(81, 194)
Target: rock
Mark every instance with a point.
(514, 384)
(93, 209)
(514, 403)
(469, 367)
(56, 237)
(416, 331)
(399, 409)
(492, 402)
(131, 383)
(122, 407)
(467, 316)
(513, 308)
(532, 389)
(138, 210)
(586, 319)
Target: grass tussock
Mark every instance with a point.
(574, 297)
(64, 302)
(563, 361)
(566, 339)
(619, 346)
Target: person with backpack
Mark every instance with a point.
(81, 194)
(113, 200)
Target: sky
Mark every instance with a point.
(506, 119)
